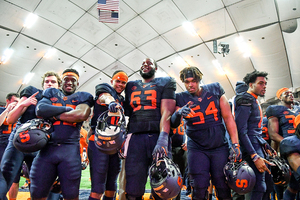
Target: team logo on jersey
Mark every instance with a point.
(286, 112)
(53, 99)
(152, 85)
(74, 101)
(133, 88)
(199, 99)
(65, 98)
(209, 97)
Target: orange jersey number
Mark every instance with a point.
(136, 100)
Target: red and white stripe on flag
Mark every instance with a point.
(108, 4)
(108, 16)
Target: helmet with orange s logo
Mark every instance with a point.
(110, 132)
(165, 178)
(240, 177)
(32, 136)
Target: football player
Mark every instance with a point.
(61, 156)
(12, 158)
(203, 109)
(149, 104)
(280, 125)
(104, 168)
(179, 149)
(5, 130)
(248, 117)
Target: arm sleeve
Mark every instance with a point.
(46, 110)
(175, 120)
(242, 114)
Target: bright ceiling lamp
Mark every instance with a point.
(6, 55)
(190, 28)
(49, 53)
(180, 61)
(243, 46)
(30, 20)
(218, 66)
(27, 78)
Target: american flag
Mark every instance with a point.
(108, 5)
(108, 16)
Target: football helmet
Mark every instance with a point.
(165, 178)
(240, 176)
(281, 172)
(33, 135)
(110, 132)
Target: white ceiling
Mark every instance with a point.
(151, 29)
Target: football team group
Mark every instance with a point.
(227, 144)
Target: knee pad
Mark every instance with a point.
(128, 197)
(199, 193)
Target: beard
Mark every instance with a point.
(148, 75)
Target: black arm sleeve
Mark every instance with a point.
(46, 110)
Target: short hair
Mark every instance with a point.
(252, 76)
(10, 95)
(51, 73)
(197, 74)
(71, 70)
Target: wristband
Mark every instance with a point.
(255, 158)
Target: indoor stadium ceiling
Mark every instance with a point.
(152, 28)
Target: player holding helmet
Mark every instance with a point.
(149, 104)
(203, 108)
(104, 168)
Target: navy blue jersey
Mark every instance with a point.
(248, 118)
(143, 101)
(289, 145)
(5, 129)
(285, 118)
(265, 133)
(98, 108)
(65, 132)
(205, 128)
(178, 136)
(30, 111)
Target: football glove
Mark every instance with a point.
(186, 111)
(269, 150)
(114, 106)
(161, 148)
(235, 154)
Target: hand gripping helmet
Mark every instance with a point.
(281, 172)
(165, 178)
(240, 177)
(32, 136)
(110, 132)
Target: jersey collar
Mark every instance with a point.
(255, 96)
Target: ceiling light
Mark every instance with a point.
(49, 53)
(190, 28)
(30, 20)
(243, 46)
(6, 55)
(27, 78)
(218, 66)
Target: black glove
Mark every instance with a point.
(186, 111)
(269, 150)
(114, 106)
(235, 154)
(161, 148)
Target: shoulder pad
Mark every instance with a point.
(86, 98)
(243, 100)
(50, 92)
(28, 91)
(103, 88)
